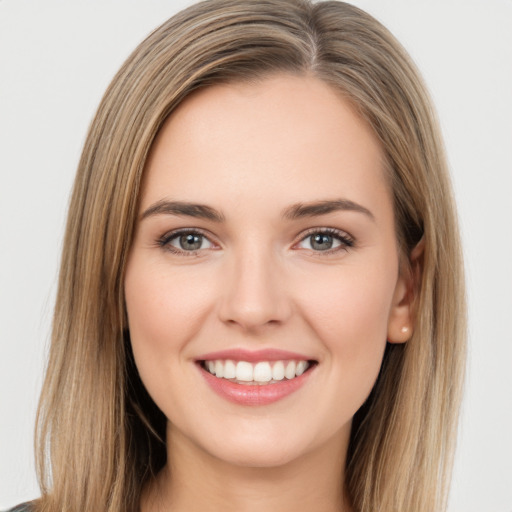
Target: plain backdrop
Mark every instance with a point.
(56, 59)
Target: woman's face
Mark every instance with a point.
(265, 249)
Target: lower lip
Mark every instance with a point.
(254, 394)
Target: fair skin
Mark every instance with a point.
(295, 251)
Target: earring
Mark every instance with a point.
(405, 329)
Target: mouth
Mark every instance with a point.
(259, 373)
(255, 378)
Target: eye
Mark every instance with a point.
(185, 242)
(326, 240)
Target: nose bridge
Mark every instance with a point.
(254, 295)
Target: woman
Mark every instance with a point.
(260, 300)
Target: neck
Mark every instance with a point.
(195, 481)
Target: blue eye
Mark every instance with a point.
(326, 240)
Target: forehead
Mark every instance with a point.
(283, 137)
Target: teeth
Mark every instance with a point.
(229, 370)
(244, 371)
(289, 373)
(261, 372)
(219, 369)
(301, 368)
(278, 371)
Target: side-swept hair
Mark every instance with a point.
(100, 438)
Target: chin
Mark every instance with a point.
(260, 455)
(265, 445)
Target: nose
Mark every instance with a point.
(254, 292)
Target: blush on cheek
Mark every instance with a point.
(164, 309)
(350, 317)
(349, 309)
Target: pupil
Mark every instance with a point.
(321, 241)
(190, 242)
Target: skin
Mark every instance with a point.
(257, 282)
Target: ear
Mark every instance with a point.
(402, 314)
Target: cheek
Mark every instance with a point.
(165, 311)
(349, 304)
(163, 308)
(349, 315)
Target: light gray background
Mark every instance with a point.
(56, 59)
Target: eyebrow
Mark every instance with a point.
(293, 212)
(183, 209)
(300, 210)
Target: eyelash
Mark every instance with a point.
(165, 241)
(346, 241)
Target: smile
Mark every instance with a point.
(255, 378)
(260, 373)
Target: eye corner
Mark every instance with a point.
(335, 241)
(173, 241)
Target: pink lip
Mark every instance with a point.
(254, 394)
(253, 356)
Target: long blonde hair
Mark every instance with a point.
(99, 437)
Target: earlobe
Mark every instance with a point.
(401, 317)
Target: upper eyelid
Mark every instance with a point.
(329, 230)
(175, 232)
(164, 240)
(342, 234)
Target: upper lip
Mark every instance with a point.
(240, 354)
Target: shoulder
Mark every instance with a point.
(24, 507)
